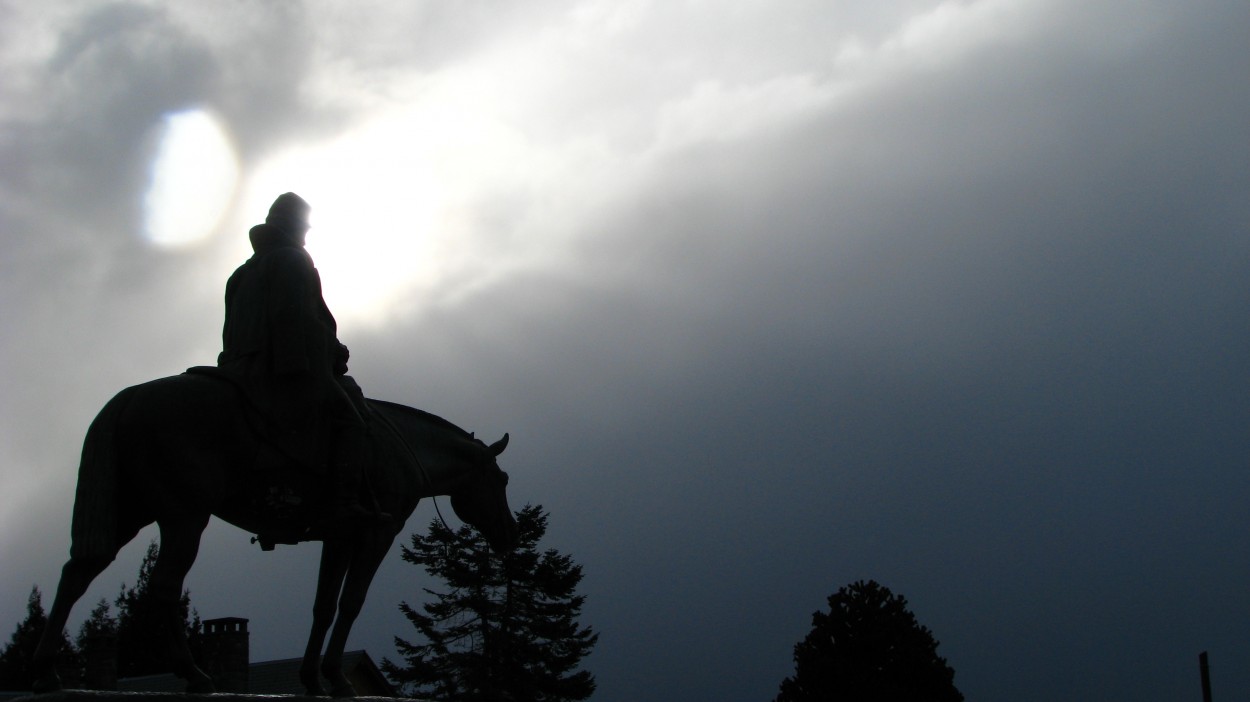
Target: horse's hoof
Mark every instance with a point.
(201, 687)
(50, 682)
(198, 682)
(312, 684)
(339, 685)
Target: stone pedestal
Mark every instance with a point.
(110, 696)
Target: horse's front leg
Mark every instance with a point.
(180, 542)
(372, 548)
(335, 556)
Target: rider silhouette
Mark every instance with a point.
(281, 342)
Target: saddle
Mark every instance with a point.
(307, 447)
(288, 478)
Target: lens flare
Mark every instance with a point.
(194, 176)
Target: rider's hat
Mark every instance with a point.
(288, 208)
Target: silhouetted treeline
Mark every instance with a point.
(134, 631)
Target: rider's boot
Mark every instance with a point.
(347, 476)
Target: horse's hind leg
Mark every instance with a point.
(76, 576)
(180, 542)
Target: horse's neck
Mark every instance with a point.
(428, 443)
(439, 471)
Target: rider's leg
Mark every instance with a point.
(347, 471)
(347, 460)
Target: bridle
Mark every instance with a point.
(421, 467)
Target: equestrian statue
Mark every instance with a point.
(277, 440)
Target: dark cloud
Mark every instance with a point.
(980, 348)
(104, 89)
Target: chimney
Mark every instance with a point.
(100, 662)
(224, 650)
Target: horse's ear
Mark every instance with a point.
(498, 447)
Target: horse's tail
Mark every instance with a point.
(94, 529)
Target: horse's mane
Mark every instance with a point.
(420, 414)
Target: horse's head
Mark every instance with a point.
(482, 500)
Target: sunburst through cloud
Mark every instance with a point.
(193, 179)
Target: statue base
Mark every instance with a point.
(115, 696)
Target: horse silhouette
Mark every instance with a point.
(177, 450)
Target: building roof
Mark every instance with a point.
(279, 677)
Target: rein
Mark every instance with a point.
(420, 466)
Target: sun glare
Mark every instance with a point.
(193, 179)
(374, 209)
(393, 213)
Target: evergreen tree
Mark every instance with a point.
(141, 643)
(97, 649)
(505, 627)
(99, 623)
(868, 648)
(15, 659)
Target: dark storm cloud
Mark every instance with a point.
(85, 151)
(73, 170)
(973, 340)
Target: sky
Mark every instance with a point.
(771, 297)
